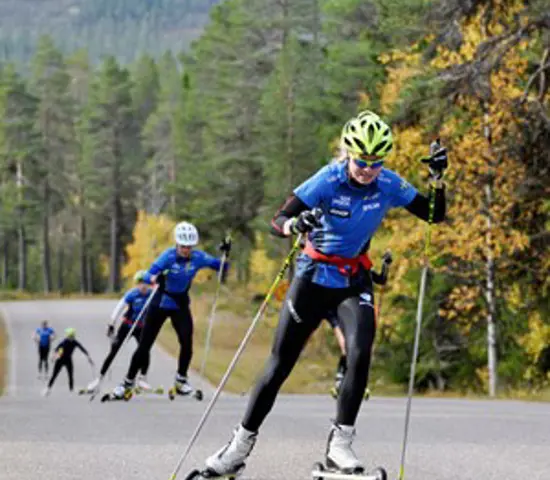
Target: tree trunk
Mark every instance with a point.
(490, 268)
(60, 261)
(89, 275)
(114, 279)
(46, 258)
(490, 298)
(21, 240)
(83, 254)
(22, 256)
(5, 264)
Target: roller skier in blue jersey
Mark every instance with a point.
(332, 273)
(173, 271)
(43, 336)
(129, 307)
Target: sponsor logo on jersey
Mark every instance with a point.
(371, 206)
(340, 212)
(342, 201)
(373, 196)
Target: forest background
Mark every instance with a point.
(121, 117)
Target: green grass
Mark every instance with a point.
(3, 355)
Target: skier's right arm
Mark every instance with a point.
(299, 213)
(162, 263)
(120, 308)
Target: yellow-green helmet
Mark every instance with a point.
(140, 276)
(366, 113)
(70, 332)
(367, 134)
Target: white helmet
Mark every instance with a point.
(186, 234)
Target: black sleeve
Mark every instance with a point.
(420, 205)
(292, 207)
(79, 345)
(377, 278)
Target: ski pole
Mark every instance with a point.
(213, 312)
(126, 339)
(433, 148)
(244, 342)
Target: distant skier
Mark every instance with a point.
(130, 307)
(43, 336)
(63, 356)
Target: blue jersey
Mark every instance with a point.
(45, 335)
(135, 301)
(351, 215)
(180, 272)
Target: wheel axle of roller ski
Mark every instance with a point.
(196, 394)
(209, 474)
(321, 472)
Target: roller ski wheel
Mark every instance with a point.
(322, 472)
(196, 394)
(109, 397)
(211, 474)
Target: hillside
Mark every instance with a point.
(121, 27)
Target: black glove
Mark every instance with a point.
(225, 246)
(437, 161)
(110, 330)
(306, 221)
(387, 258)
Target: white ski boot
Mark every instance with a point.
(46, 392)
(339, 454)
(92, 386)
(182, 386)
(229, 460)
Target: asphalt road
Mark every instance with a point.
(65, 436)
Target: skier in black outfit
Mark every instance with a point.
(63, 355)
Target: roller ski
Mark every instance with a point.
(340, 459)
(184, 389)
(121, 392)
(144, 387)
(90, 389)
(229, 461)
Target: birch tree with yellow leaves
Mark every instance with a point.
(489, 87)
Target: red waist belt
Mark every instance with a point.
(346, 266)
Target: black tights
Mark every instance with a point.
(59, 363)
(117, 343)
(183, 325)
(43, 353)
(305, 305)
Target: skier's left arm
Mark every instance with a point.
(84, 351)
(419, 204)
(209, 261)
